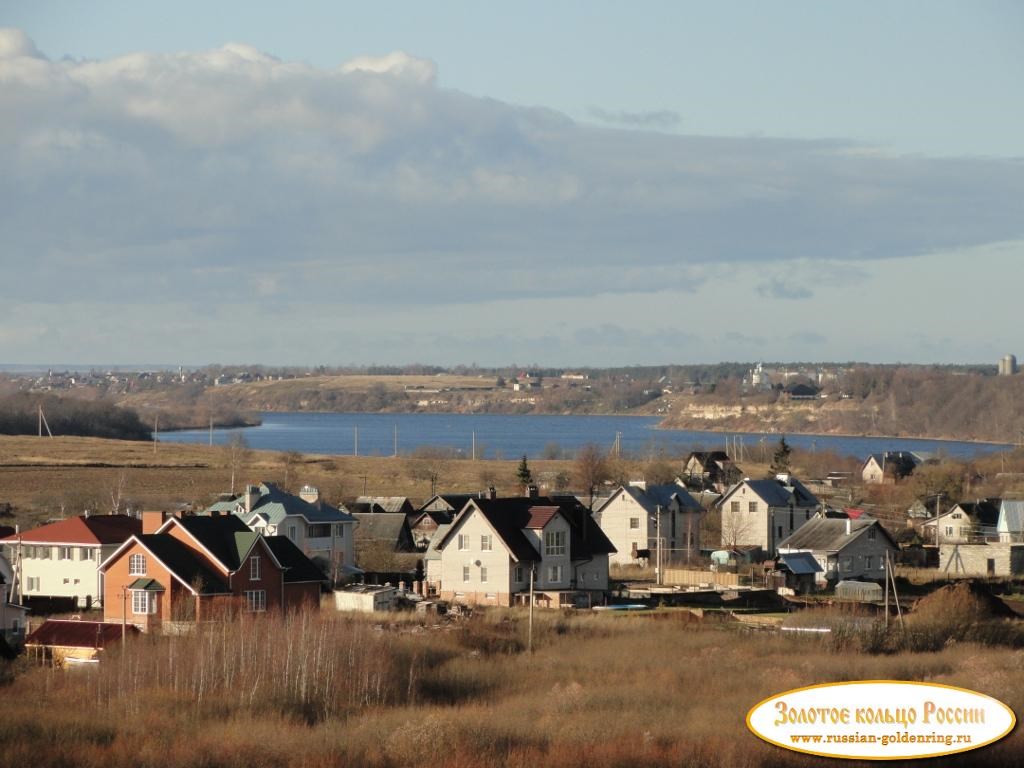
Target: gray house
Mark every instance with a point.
(844, 548)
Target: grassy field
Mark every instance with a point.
(327, 690)
(45, 477)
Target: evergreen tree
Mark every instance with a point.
(781, 458)
(523, 472)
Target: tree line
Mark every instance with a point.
(19, 415)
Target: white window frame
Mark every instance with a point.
(486, 542)
(483, 574)
(555, 574)
(256, 600)
(517, 574)
(254, 568)
(65, 553)
(143, 602)
(465, 573)
(463, 542)
(137, 565)
(554, 543)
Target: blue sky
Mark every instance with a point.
(560, 183)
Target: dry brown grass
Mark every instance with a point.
(325, 691)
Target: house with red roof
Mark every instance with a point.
(59, 560)
(197, 567)
(497, 550)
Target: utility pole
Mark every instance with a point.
(355, 447)
(156, 430)
(657, 574)
(396, 440)
(529, 630)
(473, 454)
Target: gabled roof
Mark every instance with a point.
(298, 567)
(225, 537)
(510, 517)
(91, 530)
(183, 563)
(433, 548)
(776, 493)
(450, 502)
(904, 460)
(78, 634)
(388, 503)
(654, 496)
(829, 534)
(1011, 517)
(983, 512)
(391, 527)
(275, 505)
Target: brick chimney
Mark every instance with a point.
(152, 520)
(252, 493)
(531, 491)
(310, 493)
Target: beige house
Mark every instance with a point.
(967, 522)
(494, 547)
(764, 512)
(889, 466)
(59, 560)
(635, 515)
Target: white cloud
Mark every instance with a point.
(397, 63)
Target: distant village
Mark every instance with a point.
(76, 585)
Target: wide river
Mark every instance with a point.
(504, 436)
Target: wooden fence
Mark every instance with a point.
(682, 577)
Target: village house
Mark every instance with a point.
(966, 523)
(322, 532)
(196, 567)
(12, 615)
(890, 466)
(844, 548)
(709, 469)
(989, 559)
(497, 549)
(437, 510)
(58, 560)
(373, 504)
(635, 515)
(1010, 525)
(764, 512)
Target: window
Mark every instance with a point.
(292, 533)
(463, 542)
(65, 553)
(752, 507)
(957, 515)
(949, 530)
(554, 543)
(485, 543)
(554, 573)
(256, 600)
(43, 553)
(465, 573)
(734, 507)
(319, 531)
(867, 561)
(254, 568)
(85, 553)
(871, 533)
(634, 523)
(847, 564)
(339, 531)
(67, 581)
(517, 574)
(143, 602)
(33, 584)
(137, 565)
(483, 573)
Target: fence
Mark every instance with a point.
(681, 577)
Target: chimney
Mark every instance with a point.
(252, 493)
(641, 484)
(490, 493)
(152, 520)
(784, 478)
(848, 526)
(310, 494)
(531, 491)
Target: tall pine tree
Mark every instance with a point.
(523, 472)
(781, 458)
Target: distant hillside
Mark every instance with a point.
(19, 415)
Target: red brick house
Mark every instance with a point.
(197, 567)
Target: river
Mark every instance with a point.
(508, 437)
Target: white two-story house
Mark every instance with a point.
(59, 560)
(497, 549)
(322, 532)
(764, 512)
(635, 516)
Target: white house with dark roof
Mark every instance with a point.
(322, 532)
(967, 522)
(844, 548)
(764, 512)
(494, 547)
(636, 514)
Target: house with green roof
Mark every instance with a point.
(322, 532)
(199, 567)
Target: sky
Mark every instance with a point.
(561, 184)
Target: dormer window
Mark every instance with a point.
(137, 565)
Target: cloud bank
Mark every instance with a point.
(230, 177)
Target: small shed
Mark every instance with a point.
(861, 591)
(73, 641)
(800, 570)
(365, 597)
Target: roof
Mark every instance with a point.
(510, 517)
(297, 566)
(91, 530)
(184, 563)
(776, 493)
(800, 563)
(654, 496)
(906, 461)
(147, 585)
(226, 537)
(388, 503)
(829, 534)
(433, 553)
(1011, 517)
(275, 505)
(381, 526)
(446, 502)
(78, 634)
(983, 512)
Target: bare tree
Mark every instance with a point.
(117, 493)
(430, 464)
(289, 462)
(590, 470)
(735, 526)
(236, 456)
